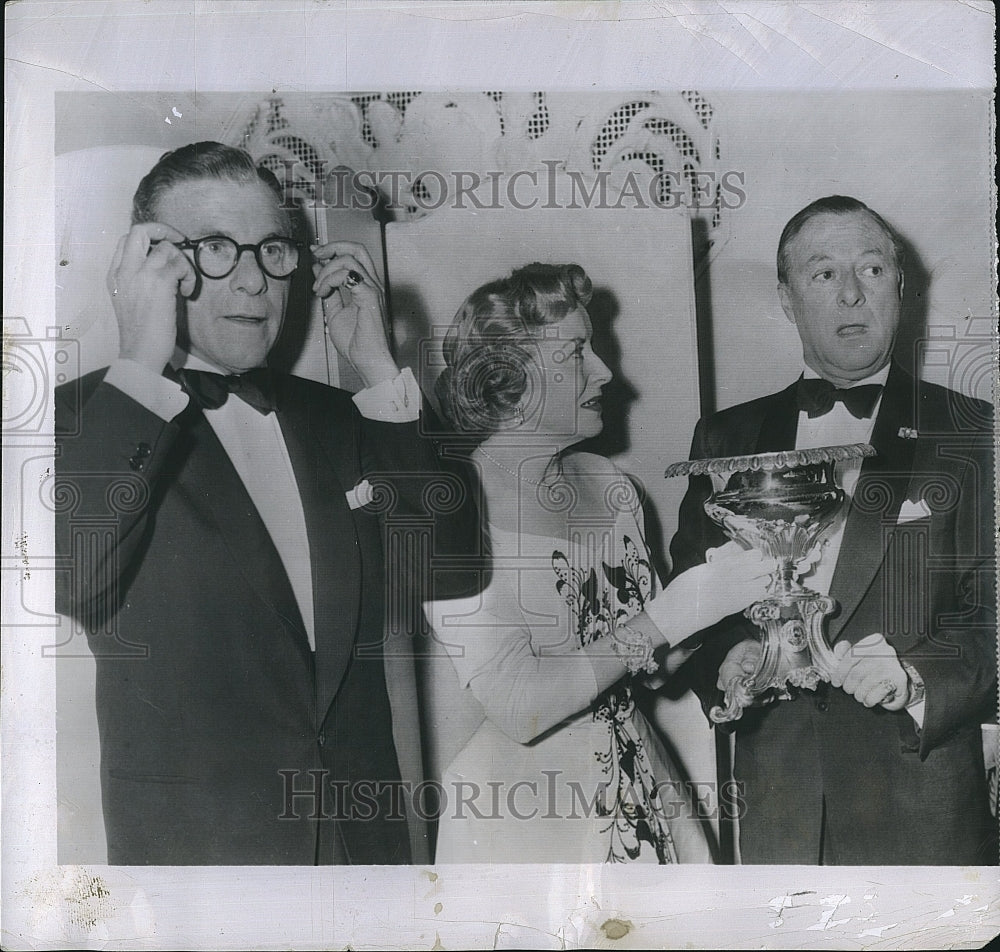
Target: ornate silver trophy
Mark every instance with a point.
(781, 504)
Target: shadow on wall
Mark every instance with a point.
(418, 335)
(913, 320)
(291, 342)
(619, 394)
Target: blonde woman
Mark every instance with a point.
(564, 767)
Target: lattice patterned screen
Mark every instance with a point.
(303, 138)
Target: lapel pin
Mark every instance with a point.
(907, 433)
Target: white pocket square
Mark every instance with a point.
(910, 511)
(360, 495)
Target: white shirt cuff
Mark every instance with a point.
(156, 393)
(391, 401)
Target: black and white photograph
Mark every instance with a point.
(439, 493)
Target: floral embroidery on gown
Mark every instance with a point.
(634, 813)
(540, 766)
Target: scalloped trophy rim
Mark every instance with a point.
(783, 459)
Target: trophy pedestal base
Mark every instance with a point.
(794, 652)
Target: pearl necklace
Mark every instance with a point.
(509, 471)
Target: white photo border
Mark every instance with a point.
(187, 44)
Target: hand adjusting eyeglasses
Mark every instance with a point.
(216, 256)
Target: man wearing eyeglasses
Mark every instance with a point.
(236, 610)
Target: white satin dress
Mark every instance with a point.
(559, 772)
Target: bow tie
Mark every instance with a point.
(817, 397)
(210, 391)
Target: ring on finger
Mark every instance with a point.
(889, 690)
(353, 279)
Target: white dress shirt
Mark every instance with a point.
(835, 428)
(255, 446)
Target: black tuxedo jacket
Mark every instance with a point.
(826, 778)
(224, 739)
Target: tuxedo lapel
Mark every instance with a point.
(779, 424)
(321, 447)
(208, 477)
(881, 488)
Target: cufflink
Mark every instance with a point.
(917, 689)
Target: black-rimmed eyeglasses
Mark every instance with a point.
(216, 256)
